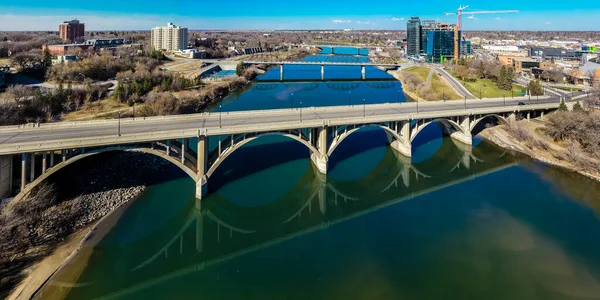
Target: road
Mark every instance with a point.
(456, 85)
(240, 122)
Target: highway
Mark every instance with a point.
(13, 139)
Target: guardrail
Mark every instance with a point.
(208, 115)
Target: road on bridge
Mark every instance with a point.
(265, 119)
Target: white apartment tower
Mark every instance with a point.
(170, 37)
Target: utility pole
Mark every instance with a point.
(220, 113)
(465, 101)
(292, 101)
(133, 110)
(398, 96)
(119, 128)
(300, 111)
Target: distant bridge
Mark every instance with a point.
(322, 64)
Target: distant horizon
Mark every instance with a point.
(283, 30)
(45, 15)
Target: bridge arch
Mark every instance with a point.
(237, 145)
(391, 135)
(447, 123)
(29, 187)
(497, 117)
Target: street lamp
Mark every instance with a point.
(300, 111)
(465, 101)
(398, 96)
(292, 101)
(364, 108)
(119, 128)
(349, 98)
(134, 110)
(220, 113)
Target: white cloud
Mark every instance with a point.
(548, 23)
(364, 22)
(471, 17)
(341, 21)
(397, 19)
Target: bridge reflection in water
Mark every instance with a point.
(232, 224)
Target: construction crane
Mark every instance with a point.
(458, 26)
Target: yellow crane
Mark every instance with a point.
(458, 26)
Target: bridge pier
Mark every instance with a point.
(281, 73)
(322, 72)
(404, 146)
(320, 159)
(6, 169)
(464, 136)
(201, 166)
(363, 72)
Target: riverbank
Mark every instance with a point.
(541, 148)
(410, 94)
(39, 232)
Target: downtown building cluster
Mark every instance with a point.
(433, 41)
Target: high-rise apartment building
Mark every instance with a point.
(440, 44)
(413, 36)
(71, 30)
(169, 38)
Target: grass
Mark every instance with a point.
(4, 61)
(96, 110)
(438, 86)
(566, 88)
(442, 90)
(490, 90)
(421, 72)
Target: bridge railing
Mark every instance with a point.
(248, 128)
(282, 111)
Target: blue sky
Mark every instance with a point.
(285, 14)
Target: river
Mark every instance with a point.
(455, 223)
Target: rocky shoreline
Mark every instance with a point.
(501, 138)
(70, 200)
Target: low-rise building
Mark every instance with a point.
(508, 59)
(106, 43)
(586, 74)
(526, 64)
(62, 50)
(64, 59)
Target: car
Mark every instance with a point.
(439, 74)
(521, 103)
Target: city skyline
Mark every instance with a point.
(272, 15)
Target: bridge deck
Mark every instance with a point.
(65, 135)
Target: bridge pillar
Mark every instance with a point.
(64, 155)
(322, 72)
(44, 158)
(6, 163)
(463, 136)
(320, 159)
(23, 171)
(363, 72)
(404, 146)
(201, 166)
(183, 148)
(32, 175)
(51, 159)
(281, 73)
(542, 115)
